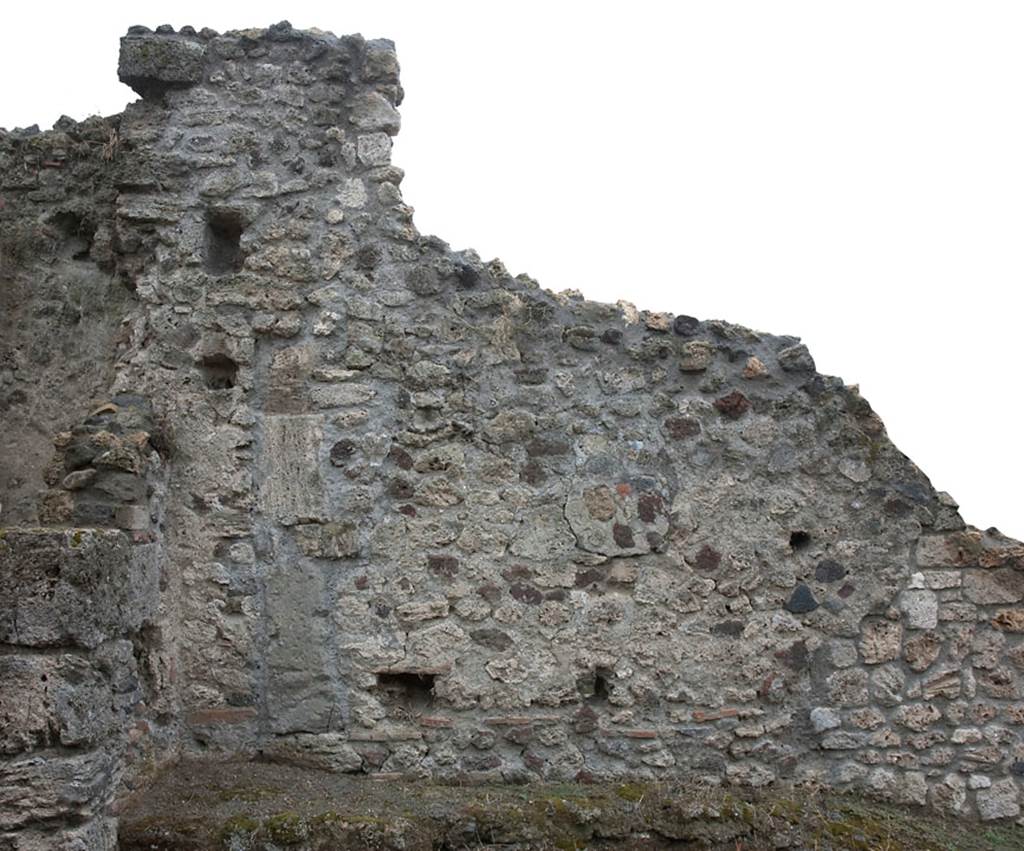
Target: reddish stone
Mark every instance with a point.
(221, 715)
(541, 446)
(649, 506)
(516, 573)
(733, 406)
(400, 457)
(533, 762)
(508, 721)
(640, 734)
(491, 593)
(590, 576)
(701, 715)
(680, 428)
(795, 656)
(707, 558)
(399, 488)
(447, 566)
(585, 720)
(435, 721)
(623, 536)
(532, 472)
(526, 594)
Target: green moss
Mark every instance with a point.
(631, 791)
(564, 816)
(237, 826)
(286, 828)
(792, 811)
(76, 538)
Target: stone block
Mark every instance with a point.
(152, 64)
(824, 719)
(1001, 800)
(301, 694)
(292, 490)
(53, 700)
(81, 587)
(880, 641)
(37, 788)
(97, 834)
(328, 540)
(920, 608)
(321, 751)
(372, 111)
(994, 586)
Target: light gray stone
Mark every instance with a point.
(824, 718)
(920, 608)
(292, 489)
(1001, 800)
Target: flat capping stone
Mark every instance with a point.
(152, 64)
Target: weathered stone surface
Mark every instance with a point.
(328, 540)
(880, 641)
(824, 719)
(322, 751)
(616, 519)
(300, 695)
(696, 356)
(53, 700)
(372, 111)
(39, 788)
(152, 64)
(292, 489)
(388, 508)
(921, 609)
(801, 601)
(994, 586)
(1000, 800)
(79, 587)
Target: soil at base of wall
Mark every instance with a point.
(240, 806)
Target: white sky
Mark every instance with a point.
(852, 173)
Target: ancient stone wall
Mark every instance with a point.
(74, 605)
(413, 515)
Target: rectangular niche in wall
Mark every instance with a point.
(406, 690)
(222, 247)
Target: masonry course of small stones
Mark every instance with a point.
(386, 508)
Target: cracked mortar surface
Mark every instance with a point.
(385, 508)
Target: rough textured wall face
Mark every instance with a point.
(415, 515)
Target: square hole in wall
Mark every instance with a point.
(219, 371)
(76, 232)
(407, 690)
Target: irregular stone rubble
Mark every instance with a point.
(387, 508)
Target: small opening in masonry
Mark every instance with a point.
(595, 687)
(223, 242)
(219, 372)
(405, 689)
(799, 540)
(76, 232)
